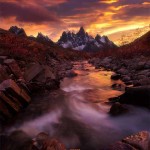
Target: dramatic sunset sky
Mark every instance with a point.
(51, 17)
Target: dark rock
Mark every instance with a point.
(14, 68)
(115, 76)
(14, 91)
(118, 87)
(20, 141)
(121, 146)
(32, 71)
(123, 71)
(71, 73)
(140, 140)
(136, 96)
(44, 142)
(17, 31)
(117, 109)
(2, 58)
(3, 74)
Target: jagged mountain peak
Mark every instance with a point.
(43, 37)
(81, 32)
(83, 41)
(18, 31)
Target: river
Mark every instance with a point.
(77, 113)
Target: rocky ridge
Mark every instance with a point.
(83, 41)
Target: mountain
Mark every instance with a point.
(31, 48)
(43, 37)
(139, 46)
(83, 41)
(17, 31)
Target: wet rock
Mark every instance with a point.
(14, 68)
(140, 140)
(117, 109)
(136, 96)
(44, 142)
(53, 144)
(118, 87)
(115, 76)
(71, 73)
(121, 146)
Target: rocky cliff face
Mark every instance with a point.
(83, 41)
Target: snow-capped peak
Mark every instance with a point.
(83, 41)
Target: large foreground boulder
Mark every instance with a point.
(44, 142)
(139, 141)
(117, 109)
(32, 71)
(136, 96)
(12, 98)
(41, 77)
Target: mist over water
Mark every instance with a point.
(79, 115)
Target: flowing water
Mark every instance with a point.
(77, 113)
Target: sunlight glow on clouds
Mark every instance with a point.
(53, 17)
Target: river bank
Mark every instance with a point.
(77, 114)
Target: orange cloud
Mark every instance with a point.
(109, 1)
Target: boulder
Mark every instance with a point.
(118, 87)
(71, 73)
(140, 140)
(117, 109)
(10, 102)
(19, 140)
(121, 146)
(115, 76)
(14, 68)
(45, 74)
(140, 65)
(2, 58)
(4, 111)
(44, 142)
(123, 71)
(14, 91)
(136, 96)
(32, 71)
(126, 78)
(3, 74)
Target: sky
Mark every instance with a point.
(52, 17)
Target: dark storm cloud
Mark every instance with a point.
(26, 13)
(74, 7)
(130, 12)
